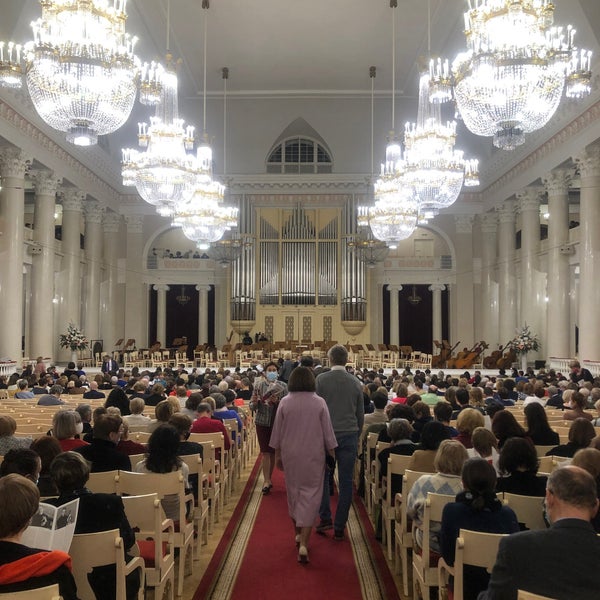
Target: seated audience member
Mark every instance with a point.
(394, 411)
(24, 392)
(448, 464)
(505, 426)
(97, 512)
(48, 448)
(589, 459)
(518, 464)
(596, 421)
(400, 432)
(461, 395)
(157, 394)
(468, 420)
(102, 451)
(442, 412)
(85, 412)
(66, 425)
(8, 440)
(136, 420)
(477, 509)
(538, 428)
(127, 446)
(527, 560)
(183, 425)
(93, 393)
(423, 458)
(118, 398)
(581, 433)
(23, 461)
(21, 567)
(222, 412)
(52, 398)
(422, 417)
(538, 397)
(96, 414)
(485, 445)
(205, 424)
(191, 405)
(162, 457)
(575, 408)
(163, 411)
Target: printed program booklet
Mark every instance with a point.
(52, 527)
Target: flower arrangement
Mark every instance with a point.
(73, 339)
(525, 341)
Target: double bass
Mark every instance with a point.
(460, 356)
(440, 360)
(468, 361)
(490, 362)
(507, 360)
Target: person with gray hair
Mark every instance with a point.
(343, 395)
(527, 560)
(52, 398)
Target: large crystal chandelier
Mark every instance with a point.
(81, 69)
(432, 167)
(165, 172)
(510, 80)
(368, 250)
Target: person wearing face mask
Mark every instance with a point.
(268, 391)
(102, 451)
(66, 425)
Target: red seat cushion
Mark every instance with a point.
(147, 552)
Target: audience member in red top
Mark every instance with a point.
(127, 446)
(66, 424)
(206, 424)
(401, 393)
(468, 420)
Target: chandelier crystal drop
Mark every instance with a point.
(11, 65)
(433, 169)
(81, 70)
(510, 80)
(165, 172)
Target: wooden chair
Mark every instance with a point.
(541, 451)
(194, 463)
(49, 592)
(529, 509)
(236, 441)
(549, 463)
(376, 491)
(396, 466)
(154, 535)
(369, 456)
(523, 595)
(89, 550)
(223, 472)
(211, 467)
(472, 548)
(166, 484)
(425, 573)
(136, 458)
(106, 482)
(403, 529)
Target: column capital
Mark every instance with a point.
(46, 183)
(112, 221)
(506, 212)
(463, 223)
(14, 162)
(558, 181)
(488, 223)
(588, 162)
(529, 199)
(72, 199)
(93, 212)
(436, 287)
(161, 287)
(135, 223)
(394, 288)
(203, 288)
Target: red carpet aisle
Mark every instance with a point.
(257, 556)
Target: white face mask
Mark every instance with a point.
(79, 428)
(272, 375)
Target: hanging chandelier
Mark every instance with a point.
(510, 80)
(80, 67)
(228, 250)
(165, 172)
(432, 167)
(368, 250)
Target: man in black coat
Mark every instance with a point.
(102, 451)
(528, 560)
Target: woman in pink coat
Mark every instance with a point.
(302, 437)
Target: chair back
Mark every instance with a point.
(104, 482)
(396, 466)
(523, 595)
(477, 549)
(135, 459)
(547, 464)
(434, 506)
(529, 509)
(49, 592)
(541, 451)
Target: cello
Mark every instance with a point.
(507, 360)
(468, 361)
(460, 356)
(489, 362)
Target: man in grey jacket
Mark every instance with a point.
(344, 397)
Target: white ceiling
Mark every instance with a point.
(284, 48)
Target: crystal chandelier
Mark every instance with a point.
(81, 70)
(432, 167)
(228, 250)
(510, 79)
(368, 250)
(165, 173)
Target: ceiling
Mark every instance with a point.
(292, 48)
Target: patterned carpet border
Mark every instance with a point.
(221, 573)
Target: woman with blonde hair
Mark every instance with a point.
(468, 420)
(66, 425)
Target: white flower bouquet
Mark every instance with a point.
(525, 341)
(73, 339)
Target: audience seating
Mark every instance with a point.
(194, 463)
(368, 457)
(529, 509)
(106, 482)
(222, 474)
(523, 595)
(89, 550)
(49, 592)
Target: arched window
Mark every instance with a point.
(299, 155)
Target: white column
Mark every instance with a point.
(70, 294)
(41, 313)
(394, 323)
(507, 306)
(462, 296)
(558, 313)
(136, 325)
(589, 250)
(109, 306)
(489, 304)
(93, 254)
(202, 313)
(161, 314)
(436, 290)
(13, 164)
